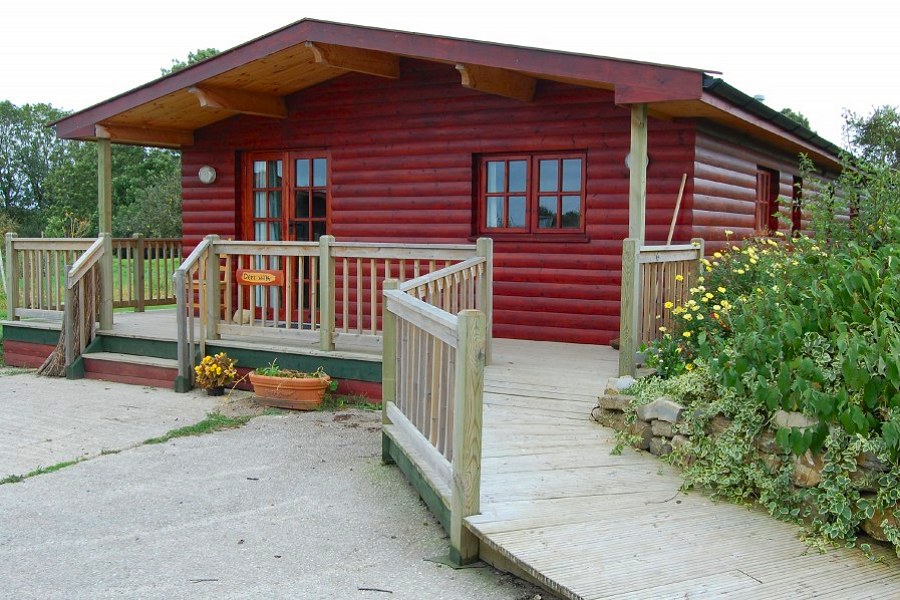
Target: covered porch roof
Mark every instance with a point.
(254, 78)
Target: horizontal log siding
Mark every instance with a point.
(402, 155)
(725, 185)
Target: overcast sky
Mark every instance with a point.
(804, 55)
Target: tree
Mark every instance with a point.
(875, 138)
(796, 116)
(192, 58)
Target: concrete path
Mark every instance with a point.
(289, 506)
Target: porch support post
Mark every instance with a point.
(104, 213)
(388, 367)
(485, 248)
(326, 294)
(106, 283)
(12, 277)
(213, 293)
(637, 189)
(629, 323)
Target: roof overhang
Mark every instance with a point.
(255, 78)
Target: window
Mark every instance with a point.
(532, 193)
(766, 201)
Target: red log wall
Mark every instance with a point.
(402, 154)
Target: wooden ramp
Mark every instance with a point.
(558, 509)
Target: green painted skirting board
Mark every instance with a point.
(33, 335)
(417, 480)
(339, 368)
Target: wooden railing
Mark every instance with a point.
(322, 293)
(36, 271)
(145, 269)
(652, 276)
(84, 304)
(190, 282)
(433, 380)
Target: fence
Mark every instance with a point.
(432, 383)
(652, 276)
(36, 273)
(322, 293)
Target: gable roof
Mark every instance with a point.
(255, 77)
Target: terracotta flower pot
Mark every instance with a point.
(297, 393)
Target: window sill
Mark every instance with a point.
(567, 238)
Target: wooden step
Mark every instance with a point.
(131, 368)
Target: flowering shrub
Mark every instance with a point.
(215, 371)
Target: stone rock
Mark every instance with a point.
(660, 446)
(642, 431)
(865, 480)
(662, 428)
(717, 425)
(617, 402)
(679, 441)
(662, 408)
(772, 462)
(808, 470)
(868, 460)
(611, 418)
(786, 419)
(873, 526)
(765, 442)
(614, 385)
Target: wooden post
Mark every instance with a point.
(326, 294)
(12, 278)
(485, 247)
(183, 382)
(213, 295)
(104, 184)
(138, 281)
(637, 189)
(106, 283)
(629, 323)
(465, 491)
(701, 252)
(388, 367)
(69, 317)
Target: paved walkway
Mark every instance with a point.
(590, 525)
(289, 506)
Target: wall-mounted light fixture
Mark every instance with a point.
(207, 174)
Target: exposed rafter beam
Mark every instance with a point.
(370, 62)
(239, 101)
(145, 136)
(499, 82)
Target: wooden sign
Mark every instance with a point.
(259, 277)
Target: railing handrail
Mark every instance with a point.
(84, 263)
(52, 243)
(423, 280)
(671, 253)
(194, 256)
(430, 319)
(402, 251)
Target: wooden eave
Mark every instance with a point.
(310, 52)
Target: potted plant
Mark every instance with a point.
(214, 373)
(287, 388)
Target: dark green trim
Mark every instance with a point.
(76, 369)
(141, 347)
(338, 368)
(420, 484)
(32, 335)
(182, 384)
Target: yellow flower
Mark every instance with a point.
(701, 279)
(717, 254)
(735, 248)
(679, 278)
(687, 317)
(740, 271)
(753, 261)
(699, 317)
(704, 299)
(708, 295)
(722, 290)
(717, 307)
(669, 305)
(779, 234)
(729, 232)
(689, 366)
(686, 334)
(663, 329)
(218, 370)
(708, 269)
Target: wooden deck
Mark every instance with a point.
(558, 508)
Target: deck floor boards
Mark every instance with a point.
(588, 524)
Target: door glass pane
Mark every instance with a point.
(571, 175)
(275, 205)
(259, 205)
(301, 231)
(547, 212)
(494, 212)
(517, 175)
(274, 175)
(318, 228)
(319, 172)
(259, 231)
(302, 172)
(301, 204)
(259, 174)
(319, 204)
(571, 211)
(274, 232)
(549, 175)
(516, 212)
(496, 176)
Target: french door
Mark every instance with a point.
(286, 197)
